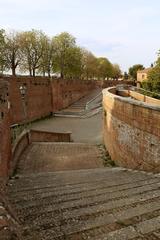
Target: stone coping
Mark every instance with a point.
(108, 92)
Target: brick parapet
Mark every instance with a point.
(132, 131)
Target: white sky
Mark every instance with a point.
(125, 31)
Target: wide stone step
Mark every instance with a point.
(87, 204)
(79, 180)
(88, 200)
(76, 192)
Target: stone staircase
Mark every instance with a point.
(85, 107)
(62, 191)
(97, 204)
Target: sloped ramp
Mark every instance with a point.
(49, 157)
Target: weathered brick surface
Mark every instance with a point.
(132, 132)
(5, 144)
(46, 136)
(37, 101)
(19, 146)
(65, 92)
(9, 228)
(43, 96)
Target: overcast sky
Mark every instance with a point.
(125, 31)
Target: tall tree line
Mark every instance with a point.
(36, 53)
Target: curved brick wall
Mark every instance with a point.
(132, 129)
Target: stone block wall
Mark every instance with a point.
(132, 131)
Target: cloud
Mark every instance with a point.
(125, 31)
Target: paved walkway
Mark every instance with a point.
(88, 130)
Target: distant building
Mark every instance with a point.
(143, 74)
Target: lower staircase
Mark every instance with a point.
(94, 203)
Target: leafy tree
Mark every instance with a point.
(46, 61)
(133, 71)
(116, 71)
(74, 66)
(12, 51)
(35, 52)
(125, 76)
(153, 79)
(67, 56)
(90, 65)
(105, 69)
(33, 45)
(2, 51)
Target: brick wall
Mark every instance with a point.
(66, 92)
(111, 83)
(43, 96)
(5, 143)
(132, 132)
(36, 102)
(44, 136)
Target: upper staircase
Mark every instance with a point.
(85, 107)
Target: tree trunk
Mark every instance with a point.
(34, 72)
(30, 72)
(62, 76)
(13, 71)
(49, 72)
